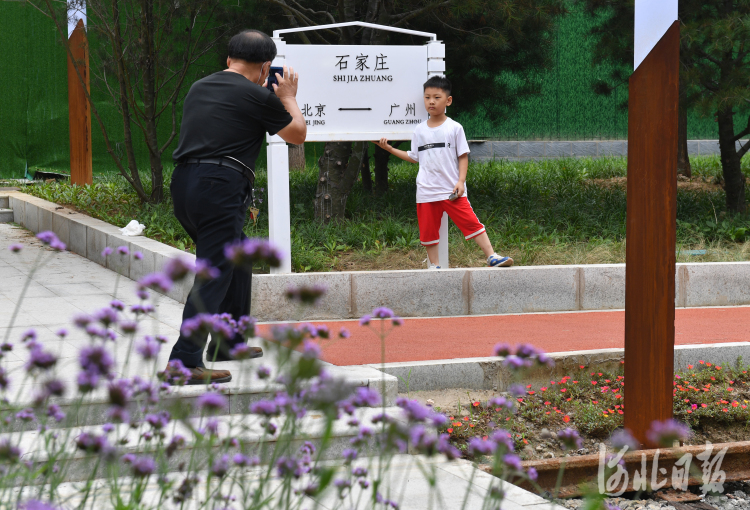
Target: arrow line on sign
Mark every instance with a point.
(353, 109)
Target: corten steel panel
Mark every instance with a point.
(651, 221)
(79, 113)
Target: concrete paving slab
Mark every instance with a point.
(723, 283)
(268, 299)
(411, 293)
(509, 290)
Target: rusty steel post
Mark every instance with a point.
(79, 111)
(651, 222)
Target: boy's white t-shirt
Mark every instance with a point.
(437, 150)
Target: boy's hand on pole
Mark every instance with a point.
(459, 189)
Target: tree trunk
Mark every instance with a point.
(381, 170)
(339, 167)
(365, 171)
(297, 156)
(683, 160)
(734, 180)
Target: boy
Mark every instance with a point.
(439, 147)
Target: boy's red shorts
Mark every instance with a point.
(429, 215)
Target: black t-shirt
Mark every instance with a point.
(225, 114)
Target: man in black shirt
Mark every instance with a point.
(225, 117)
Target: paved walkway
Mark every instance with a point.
(471, 337)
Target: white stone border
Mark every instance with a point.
(410, 293)
(489, 374)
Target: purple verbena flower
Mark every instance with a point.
(665, 433)
(212, 402)
(344, 333)
(250, 251)
(123, 250)
(62, 332)
(513, 461)
(148, 348)
(138, 255)
(158, 420)
(263, 372)
(264, 408)
(479, 446)
(50, 239)
(9, 452)
(108, 316)
(178, 268)
(205, 271)
(220, 466)
(245, 461)
(143, 466)
(365, 320)
(622, 439)
(106, 252)
(54, 412)
(414, 410)
(40, 359)
(503, 349)
(96, 359)
(382, 313)
(570, 439)
(310, 350)
(117, 305)
(156, 281)
(306, 295)
(26, 415)
(349, 455)
(15, 248)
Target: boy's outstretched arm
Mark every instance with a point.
(383, 144)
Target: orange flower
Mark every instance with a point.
(582, 367)
(547, 403)
(568, 399)
(450, 431)
(593, 382)
(735, 403)
(563, 390)
(476, 404)
(466, 418)
(595, 402)
(471, 425)
(531, 392)
(690, 367)
(566, 418)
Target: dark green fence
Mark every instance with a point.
(34, 112)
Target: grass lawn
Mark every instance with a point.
(566, 211)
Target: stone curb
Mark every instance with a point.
(489, 374)
(410, 293)
(487, 150)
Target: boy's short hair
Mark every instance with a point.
(439, 82)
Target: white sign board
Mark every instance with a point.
(350, 93)
(359, 92)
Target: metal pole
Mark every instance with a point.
(279, 221)
(651, 217)
(436, 67)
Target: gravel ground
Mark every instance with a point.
(736, 497)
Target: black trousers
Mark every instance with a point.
(211, 202)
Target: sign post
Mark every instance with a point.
(350, 93)
(79, 110)
(651, 216)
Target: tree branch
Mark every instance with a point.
(400, 19)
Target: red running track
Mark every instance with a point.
(470, 337)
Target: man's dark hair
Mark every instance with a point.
(252, 46)
(439, 82)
